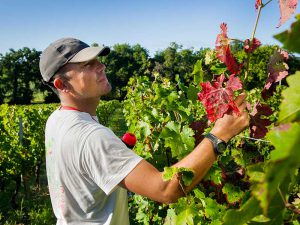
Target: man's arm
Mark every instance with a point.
(146, 180)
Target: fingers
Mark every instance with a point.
(245, 121)
(240, 99)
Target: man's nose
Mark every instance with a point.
(101, 67)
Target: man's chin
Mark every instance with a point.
(107, 90)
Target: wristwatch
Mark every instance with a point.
(218, 144)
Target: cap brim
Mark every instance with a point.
(90, 53)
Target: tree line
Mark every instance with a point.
(21, 83)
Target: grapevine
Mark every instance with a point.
(248, 184)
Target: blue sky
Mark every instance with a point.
(153, 24)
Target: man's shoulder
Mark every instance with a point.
(73, 124)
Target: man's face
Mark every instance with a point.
(88, 80)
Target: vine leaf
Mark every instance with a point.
(290, 38)
(186, 216)
(233, 193)
(199, 127)
(179, 139)
(223, 51)
(258, 125)
(239, 217)
(187, 174)
(283, 160)
(290, 106)
(217, 99)
(277, 68)
(198, 72)
(254, 45)
(282, 131)
(214, 175)
(213, 210)
(287, 8)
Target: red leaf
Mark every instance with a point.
(257, 4)
(199, 127)
(266, 94)
(255, 44)
(287, 8)
(217, 99)
(257, 124)
(234, 83)
(277, 68)
(222, 43)
(223, 51)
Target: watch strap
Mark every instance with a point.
(215, 142)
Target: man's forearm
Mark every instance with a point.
(199, 160)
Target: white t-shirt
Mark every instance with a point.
(85, 162)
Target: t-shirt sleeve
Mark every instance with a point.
(106, 159)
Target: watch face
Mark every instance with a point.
(221, 147)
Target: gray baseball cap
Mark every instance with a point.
(67, 50)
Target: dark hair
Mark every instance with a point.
(61, 74)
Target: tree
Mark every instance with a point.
(176, 60)
(19, 76)
(123, 62)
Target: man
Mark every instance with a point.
(88, 167)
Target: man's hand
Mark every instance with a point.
(231, 124)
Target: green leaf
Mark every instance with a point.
(256, 173)
(145, 128)
(216, 222)
(233, 193)
(213, 210)
(290, 38)
(243, 215)
(284, 160)
(187, 174)
(218, 69)
(172, 96)
(290, 106)
(214, 174)
(171, 217)
(198, 72)
(186, 217)
(260, 219)
(192, 93)
(181, 141)
(286, 140)
(169, 173)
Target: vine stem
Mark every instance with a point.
(255, 139)
(234, 39)
(267, 3)
(288, 205)
(252, 38)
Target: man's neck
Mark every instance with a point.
(88, 105)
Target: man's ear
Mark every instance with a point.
(60, 85)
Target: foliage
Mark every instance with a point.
(123, 62)
(174, 60)
(290, 38)
(19, 76)
(110, 114)
(255, 180)
(24, 193)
